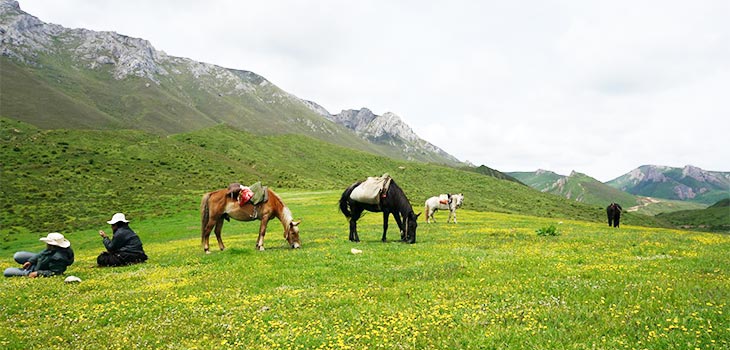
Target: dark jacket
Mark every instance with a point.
(124, 241)
(52, 261)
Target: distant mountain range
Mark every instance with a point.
(687, 184)
(55, 77)
(647, 189)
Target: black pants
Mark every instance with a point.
(120, 258)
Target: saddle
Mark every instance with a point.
(371, 190)
(255, 194)
(445, 198)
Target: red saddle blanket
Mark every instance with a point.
(245, 195)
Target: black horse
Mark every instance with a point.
(613, 211)
(393, 202)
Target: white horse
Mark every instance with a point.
(443, 202)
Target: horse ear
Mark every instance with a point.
(417, 215)
(295, 223)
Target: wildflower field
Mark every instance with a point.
(489, 282)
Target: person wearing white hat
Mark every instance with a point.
(54, 260)
(124, 247)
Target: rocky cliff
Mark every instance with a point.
(687, 183)
(105, 80)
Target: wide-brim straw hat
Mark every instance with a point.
(57, 239)
(118, 217)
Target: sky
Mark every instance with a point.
(597, 87)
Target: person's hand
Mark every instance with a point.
(103, 234)
(33, 274)
(26, 265)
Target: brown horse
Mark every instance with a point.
(217, 206)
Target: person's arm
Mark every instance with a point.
(113, 244)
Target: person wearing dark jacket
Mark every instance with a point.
(124, 247)
(54, 260)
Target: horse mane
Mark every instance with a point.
(398, 198)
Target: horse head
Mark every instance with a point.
(411, 224)
(457, 200)
(292, 234)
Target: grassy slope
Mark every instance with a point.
(65, 96)
(591, 191)
(666, 189)
(715, 218)
(55, 180)
(487, 283)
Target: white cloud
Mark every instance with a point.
(596, 87)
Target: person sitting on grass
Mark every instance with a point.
(54, 260)
(124, 247)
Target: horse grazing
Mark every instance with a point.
(391, 201)
(443, 202)
(218, 205)
(613, 211)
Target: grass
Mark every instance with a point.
(489, 282)
(61, 180)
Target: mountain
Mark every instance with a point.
(485, 170)
(55, 77)
(390, 131)
(583, 188)
(687, 184)
(576, 186)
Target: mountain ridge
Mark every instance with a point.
(583, 188)
(105, 80)
(689, 183)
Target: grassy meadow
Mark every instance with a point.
(489, 282)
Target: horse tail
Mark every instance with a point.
(344, 199)
(204, 212)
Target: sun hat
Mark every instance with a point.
(117, 218)
(72, 279)
(57, 239)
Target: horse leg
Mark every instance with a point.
(353, 225)
(218, 228)
(385, 224)
(452, 216)
(262, 233)
(205, 237)
(399, 221)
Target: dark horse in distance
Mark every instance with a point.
(392, 201)
(613, 211)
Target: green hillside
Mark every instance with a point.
(61, 179)
(687, 184)
(585, 189)
(715, 218)
(576, 186)
(485, 170)
(541, 180)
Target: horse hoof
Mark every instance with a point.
(260, 248)
(207, 252)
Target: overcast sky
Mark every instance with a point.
(599, 87)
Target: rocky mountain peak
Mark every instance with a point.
(388, 129)
(24, 37)
(372, 126)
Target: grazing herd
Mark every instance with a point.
(375, 194)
